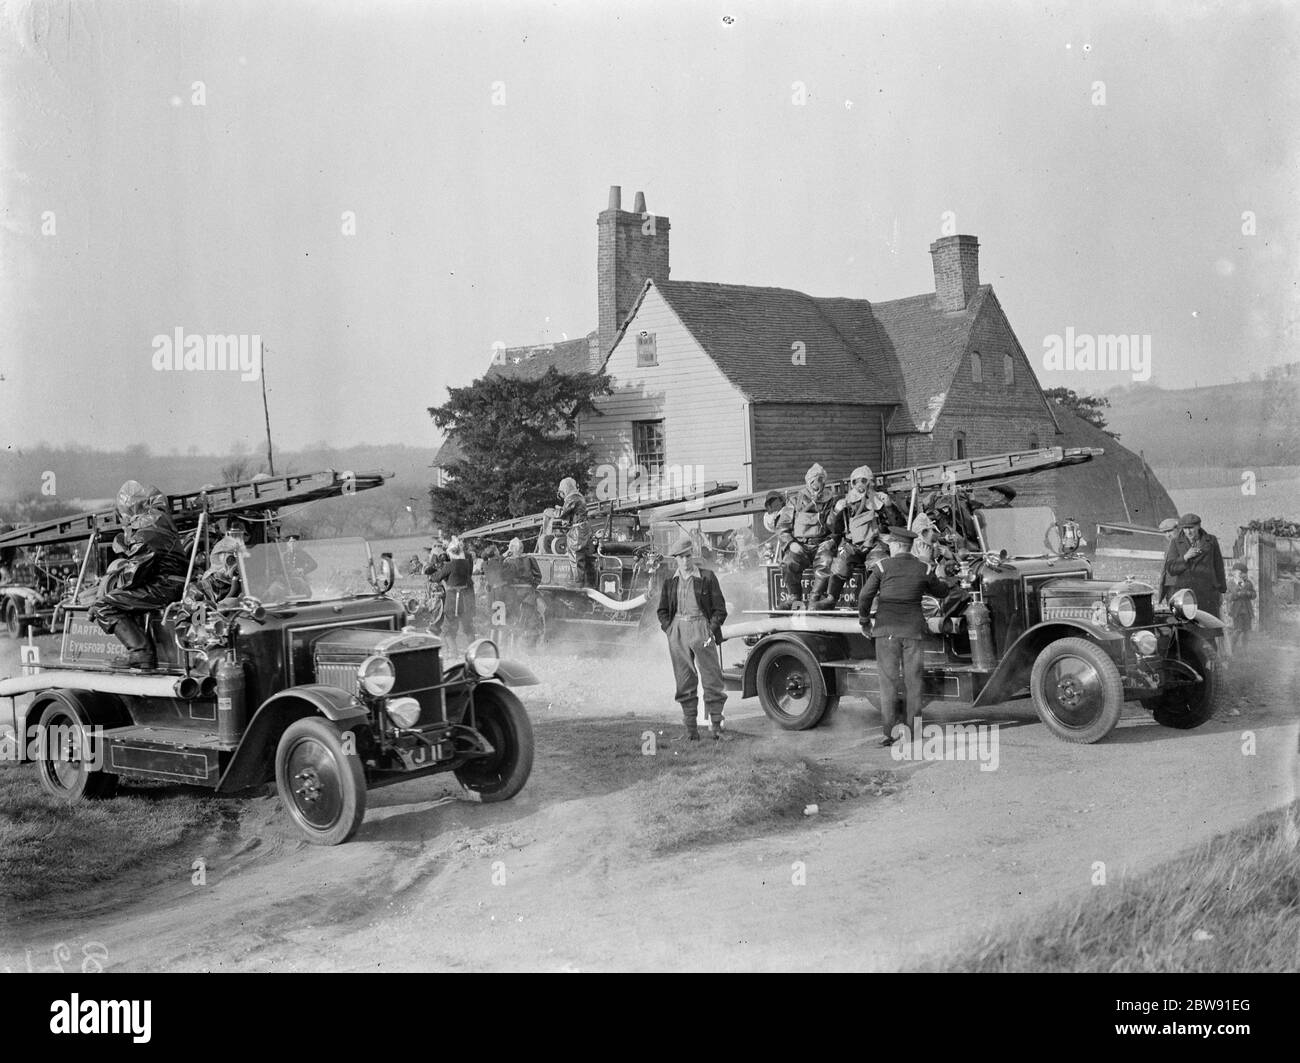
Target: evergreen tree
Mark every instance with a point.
(518, 438)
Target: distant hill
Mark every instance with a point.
(1243, 425)
(82, 473)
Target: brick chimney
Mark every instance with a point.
(631, 246)
(956, 270)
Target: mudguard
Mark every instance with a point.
(514, 674)
(1001, 684)
(254, 760)
(823, 647)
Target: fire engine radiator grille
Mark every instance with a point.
(343, 676)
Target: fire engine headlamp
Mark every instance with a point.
(405, 712)
(1124, 610)
(1184, 602)
(483, 658)
(1144, 642)
(376, 676)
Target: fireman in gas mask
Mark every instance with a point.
(149, 575)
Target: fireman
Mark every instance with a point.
(149, 575)
(860, 517)
(900, 581)
(573, 511)
(805, 529)
(522, 577)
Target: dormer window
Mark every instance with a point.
(647, 351)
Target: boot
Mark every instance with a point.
(692, 727)
(832, 597)
(715, 726)
(139, 647)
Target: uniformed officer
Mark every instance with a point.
(899, 581)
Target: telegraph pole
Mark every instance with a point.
(270, 459)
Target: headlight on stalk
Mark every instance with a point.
(1145, 643)
(483, 658)
(1123, 610)
(405, 712)
(376, 676)
(1184, 602)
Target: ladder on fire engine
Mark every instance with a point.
(598, 511)
(249, 496)
(917, 477)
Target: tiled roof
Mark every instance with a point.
(901, 351)
(750, 332)
(568, 356)
(447, 453)
(927, 345)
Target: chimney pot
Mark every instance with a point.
(639, 206)
(615, 197)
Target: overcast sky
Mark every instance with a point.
(475, 144)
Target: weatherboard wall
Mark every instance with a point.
(705, 417)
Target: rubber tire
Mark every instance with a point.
(1112, 690)
(813, 681)
(12, 625)
(350, 775)
(84, 785)
(1181, 712)
(502, 720)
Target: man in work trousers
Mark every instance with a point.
(900, 581)
(691, 613)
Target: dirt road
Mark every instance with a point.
(558, 879)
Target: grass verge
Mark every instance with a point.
(725, 793)
(1232, 904)
(49, 849)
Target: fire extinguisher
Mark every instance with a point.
(232, 702)
(979, 623)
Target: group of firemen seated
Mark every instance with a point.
(836, 536)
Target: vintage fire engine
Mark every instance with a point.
(610, 606)
(308, 679)
(1025, 618)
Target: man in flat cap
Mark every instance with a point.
(691, 613)
(899, 581)
(805, 533)
(1194, 561)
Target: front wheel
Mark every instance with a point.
(321, 783)
(12, 624)
(1077, 690)
(1189, 706)
(501, 719)
(791, 687)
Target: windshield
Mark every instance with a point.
(1025, 531)
(314, 570)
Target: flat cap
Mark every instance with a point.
(1189, 520)
(1169, 524)
(684, 545)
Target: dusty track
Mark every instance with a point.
(887, 879)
